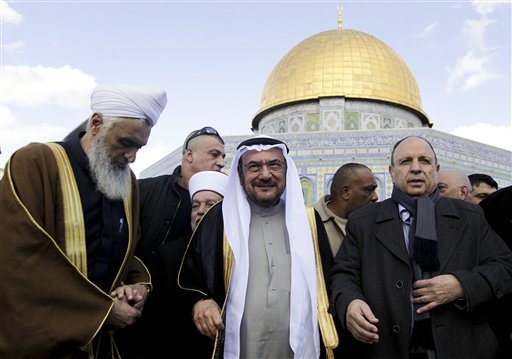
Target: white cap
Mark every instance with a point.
(208, 181)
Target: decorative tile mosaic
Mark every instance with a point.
(351, 121)
(331, 120)
(313, 122)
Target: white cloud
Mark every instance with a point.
(497, 136)
(484, 7)
(13, 46)
(473, 69)
(469, 73)
(38, 85)
(147, 156)
(14, 134)
(6, 117)
(428, 30)
(473, 32)
(9, 16)
(17, 135)
(476, 80)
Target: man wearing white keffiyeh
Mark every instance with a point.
(269, 270)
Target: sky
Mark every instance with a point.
(213, 58)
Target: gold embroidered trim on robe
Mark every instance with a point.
(325, 320)
(228, 261)
(74, 223)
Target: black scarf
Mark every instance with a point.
(424, 257)
(423, 232)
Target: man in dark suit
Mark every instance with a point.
(416, 271)
(498, 210)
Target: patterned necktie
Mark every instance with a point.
(406, 217)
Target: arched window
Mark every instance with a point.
(307, 190)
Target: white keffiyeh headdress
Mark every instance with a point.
(304, 333)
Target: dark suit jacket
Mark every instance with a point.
(373, 265)
(498, 211)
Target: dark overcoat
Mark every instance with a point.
(373, 265)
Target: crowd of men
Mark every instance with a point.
(97, 264)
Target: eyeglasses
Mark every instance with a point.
(204, 131)
(256, 167)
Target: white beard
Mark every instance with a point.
(112, 181)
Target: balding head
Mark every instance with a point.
(414, 166)
(203, 150)
(353, 186)
(454, 184)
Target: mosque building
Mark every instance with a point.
(345, 96)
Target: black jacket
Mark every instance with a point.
(159, 204)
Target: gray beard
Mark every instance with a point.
(112, 181)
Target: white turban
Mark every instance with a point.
(208, 181)
(129, 101)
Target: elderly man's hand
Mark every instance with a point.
(122, 314)
(135, 294)
(207, 317)
(361, 322)
(435, 291)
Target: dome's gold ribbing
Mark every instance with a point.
(338, 63)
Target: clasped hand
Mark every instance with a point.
(128, 304)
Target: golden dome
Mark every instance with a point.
(341, 63)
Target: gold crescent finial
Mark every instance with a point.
(340, 14)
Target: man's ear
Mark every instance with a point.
(188, 155)
(96, 122)
(345, 192)
(464, 191)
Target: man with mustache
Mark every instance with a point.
(254, 255)
(415, 272)
(69, 225)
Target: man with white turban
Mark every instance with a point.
(256, 256)
(70, 221)
(206, 188)
(165, 216)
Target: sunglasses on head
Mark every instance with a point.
(203, 131)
